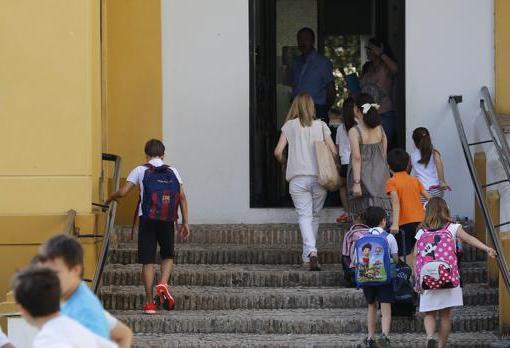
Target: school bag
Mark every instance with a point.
(350, 238)
(436, 260)
(373, 263)
(161, 193)
(403, 288)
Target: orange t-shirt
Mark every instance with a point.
(408, 189)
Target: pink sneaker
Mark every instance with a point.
(165, 298)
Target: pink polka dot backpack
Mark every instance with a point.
(436, 260)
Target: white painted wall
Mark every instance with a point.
(449, 50)
(206, 96)
(206, 108)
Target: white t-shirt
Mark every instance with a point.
(426, 174)
(302, 158)
(342, 139)
(392, 242)
(3, 339)
(136, 177)
(63, 332)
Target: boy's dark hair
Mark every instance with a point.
(154, 148)
(64, 246)
(398, 160)
(367, 246)
(37, 289)
(374, 216)
(371, 118)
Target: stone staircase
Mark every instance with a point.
(243, 286)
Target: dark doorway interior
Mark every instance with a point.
(342, 29)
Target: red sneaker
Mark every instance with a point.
(150, 308)
(165, 298)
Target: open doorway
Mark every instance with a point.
(342, 30)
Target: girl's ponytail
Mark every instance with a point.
(370, 114)
(422, 141)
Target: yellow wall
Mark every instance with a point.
(50, 107)
(502, 33)
(131, 83)
(50, 130)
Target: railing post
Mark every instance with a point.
(504, 299)
(481, 168)
(493, 200)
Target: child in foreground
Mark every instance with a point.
(435, 253)
(37, 293)
(375, 218)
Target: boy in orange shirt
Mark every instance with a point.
(405, 191)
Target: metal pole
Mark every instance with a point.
(503, 267)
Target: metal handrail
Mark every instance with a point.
(503, 267)
(110, 221)
(494, 127)
(70, 228)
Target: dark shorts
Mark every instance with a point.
(381, 293)
(343, 170)
(410, 241)
(150, 234)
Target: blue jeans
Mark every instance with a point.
(388, 124)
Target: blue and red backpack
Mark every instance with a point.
(161, 193)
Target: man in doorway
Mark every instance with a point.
(312, 73)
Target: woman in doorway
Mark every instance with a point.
(368, 171)
(376, 79)
(300, 131)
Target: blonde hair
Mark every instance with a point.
(303, 108)
(437, 214)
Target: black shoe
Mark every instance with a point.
(384, 342)
(369, 343)
(431, 342)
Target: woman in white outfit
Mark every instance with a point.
(300, 131)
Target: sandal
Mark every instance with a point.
(343, 218)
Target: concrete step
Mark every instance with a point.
(231, 275)
(258, 275)
(294, 321)
(218, 298)
(126, 253)
(407, 340)
(266, 234)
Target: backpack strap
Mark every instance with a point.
(135, 215)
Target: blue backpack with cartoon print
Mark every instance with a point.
(373, 262)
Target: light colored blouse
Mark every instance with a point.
(302, 159)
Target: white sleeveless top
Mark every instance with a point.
(302, 159)
(426, 174)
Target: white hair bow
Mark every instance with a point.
(366, 107)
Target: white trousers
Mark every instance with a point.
(308, 197)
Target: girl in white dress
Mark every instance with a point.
(440, 301)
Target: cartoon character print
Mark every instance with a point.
(436, 273)
(430, 248)
(365, 260)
